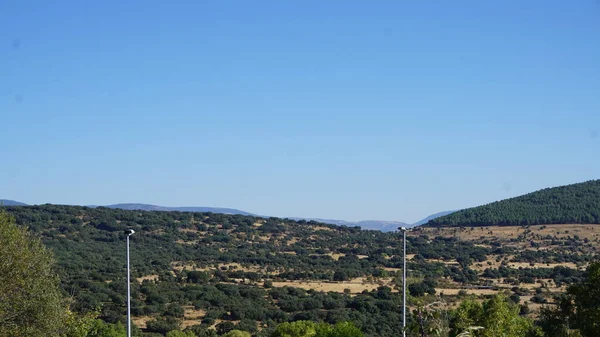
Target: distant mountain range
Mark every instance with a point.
(147, 207)
(381, 225)
(576, 203)
(6, 202)
(431, 217)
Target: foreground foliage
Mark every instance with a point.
(496, 317)
(30, 300)
(578, 311)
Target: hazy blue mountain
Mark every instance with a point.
(6, 202)
(147, 207)
(380, 225)
(384, 226)
(431, 217)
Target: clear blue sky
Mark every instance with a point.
(337, 109)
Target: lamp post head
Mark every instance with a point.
(129, 232)
(402, 229)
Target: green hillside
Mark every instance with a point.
(576, 203)
(212, 273)
(235, 270)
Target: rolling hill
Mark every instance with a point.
(192, 268)
(217, 271)
(381, 225)
(6, 202)
(570, 204)
(148, 207)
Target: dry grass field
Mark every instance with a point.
(147, 277)
(553, 238)
(537, 233)
(178, 266)
(192, 316)
(140, 321)
(563, 239)
(355, 286)
(476, 292)
(521, 236)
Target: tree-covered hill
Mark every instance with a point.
(223, 271)
(148, 207)
(236, 270)
(576, 203)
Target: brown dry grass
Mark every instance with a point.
(181, 265)
(322, 228)
(521, 237)
(181, 242)
(518, 265)
(356, 285)
(392, 269)
(188, 230)
(476, 292)
(561, 231)
(336, 256)
(140, 321)
(147, 277)
(192, 316)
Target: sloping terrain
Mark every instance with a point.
(232, 268)
(570, 204)
(217, 269)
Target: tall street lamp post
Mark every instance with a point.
(403, 230)
(129, 233)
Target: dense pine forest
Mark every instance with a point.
(574, 204)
